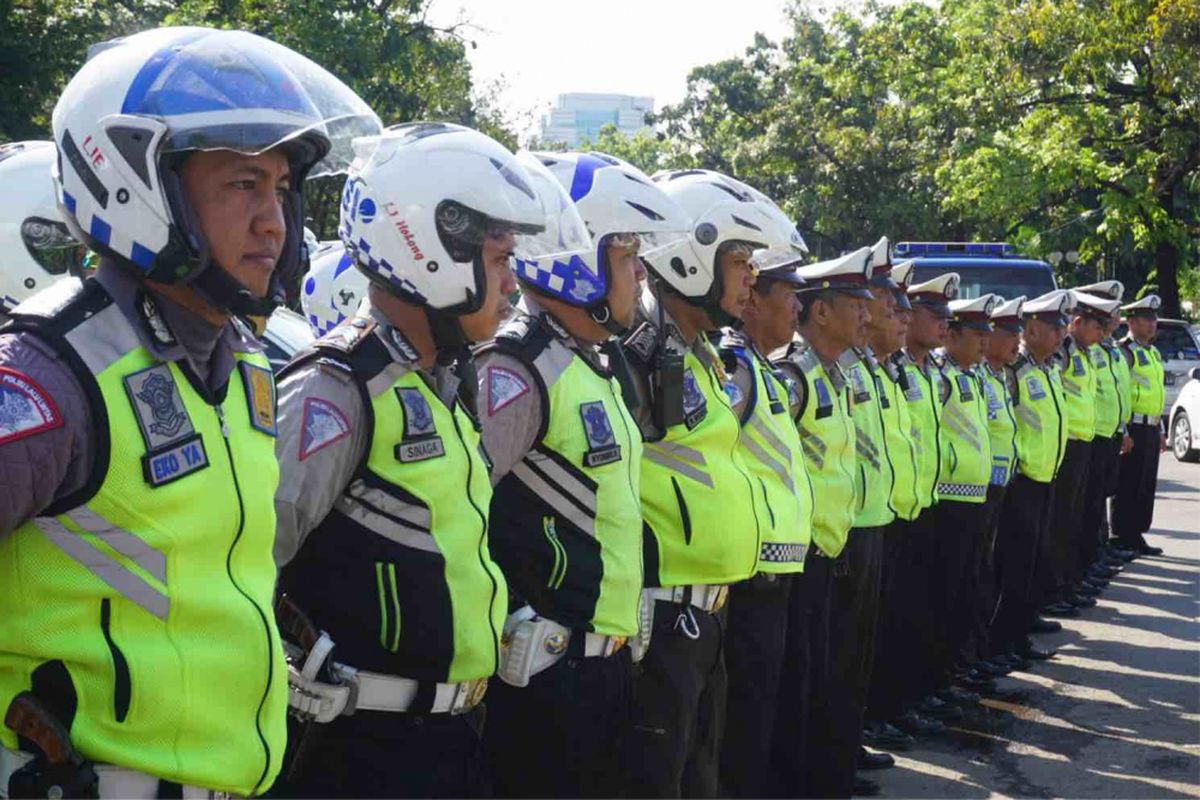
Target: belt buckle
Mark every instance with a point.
(722, 593)
(615, 643)
(469, 695)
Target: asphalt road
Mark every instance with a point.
(1116, 713)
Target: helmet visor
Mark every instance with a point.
(563, 237)
(232, 90)
(51, 245)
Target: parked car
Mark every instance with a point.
(1178, 342)
(1184, 420)
(286, 334)
(983, 267)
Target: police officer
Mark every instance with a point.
(1112, 413)
(999, 388)
(566, 525)
(758, 607)
(383, 503)
(886, 333)
(701, 507)
(1039, 407)
(1079, 384)
(139, 464)
(817, 729)
(38, 249)
(960, 516)
(1133, 509)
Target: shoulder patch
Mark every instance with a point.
(504, 387)
(25, 407)
(695, 405)
(324, 424)
(159, 409)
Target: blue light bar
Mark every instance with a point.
(984, 249)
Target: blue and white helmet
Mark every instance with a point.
(332, 289)
(614, 198)
(422, 197)
(38, 249)
(723, 210)
(140, 102)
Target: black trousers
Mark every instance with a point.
(679, 706)
(1133, 509)
(840, 701)
(1059, 543)
(903, 608)
(563, 735)
(805, 662)
(1105, 452)
(382, 754)
(958, 536)
(1024, 519)
(984, 589)
(756, 633)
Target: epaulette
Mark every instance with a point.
(524, 336)
(938, 358)
(641, 341)
(346, 337)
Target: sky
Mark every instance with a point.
(542, 48)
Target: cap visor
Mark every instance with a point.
(883, 282)
(853, 291)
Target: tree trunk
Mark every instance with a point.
(1166, 262)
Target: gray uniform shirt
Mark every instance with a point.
(36, 470)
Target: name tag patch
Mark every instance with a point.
(602, 443)
(260, 396)
(420, 441)
(173, 448)
(695, 405)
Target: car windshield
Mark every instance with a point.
(1004, 281)
(1176, 341)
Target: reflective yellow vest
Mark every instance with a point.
(1002, 426)
(966, 448)
(1108, 401)
(923, 389)
(875, 479)
(827, 438)
(901, 444)
(577, 488)
(1079, 383)
(771, 450)
(698, 499)
(1146, 371)
(1039, 407)
(1119, 360)
(147, 597)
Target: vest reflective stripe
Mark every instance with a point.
(827, 436)
(131, 590)
(1001, 424)
(1040, 412)
(772, 451)
(1124, 381)
(875, 477)
(1079, 385)
(698, 498)
(922, 392)
(901, 446)
(1146, 373)
(966, 450)
(1108, 404)
(582, 565)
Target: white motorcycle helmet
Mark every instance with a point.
(724, 211)
(420, 200)
(615, 199)
(36, 249)
(332, 289)
(141, 104)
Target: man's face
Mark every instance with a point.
(1003, 346)
(883, 329)
(1086, 331)
(967, 345)
(903, 321)
(927, 330)
(481, 325)
(843, 318)
(623, 266)
(737, 276)
(238, 202)
(1143, 328)
(1042, 337)
(772, 312)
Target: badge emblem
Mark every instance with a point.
(824, 398)
(173, 448)
(420, 441)
(602, 443)
(1143, 361)
(880, 393)
(772, 394)
(993, 402)
(504, 388)
(324, 424)
(861, 393)
(695, 406)
(556, 643)
(155, 323)
(734, 393)
(964, 387)
(25, 408)
(1077, 362)
(259, 386)
(1036, 392)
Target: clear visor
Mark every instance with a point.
(232, 90)
(564, 236)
